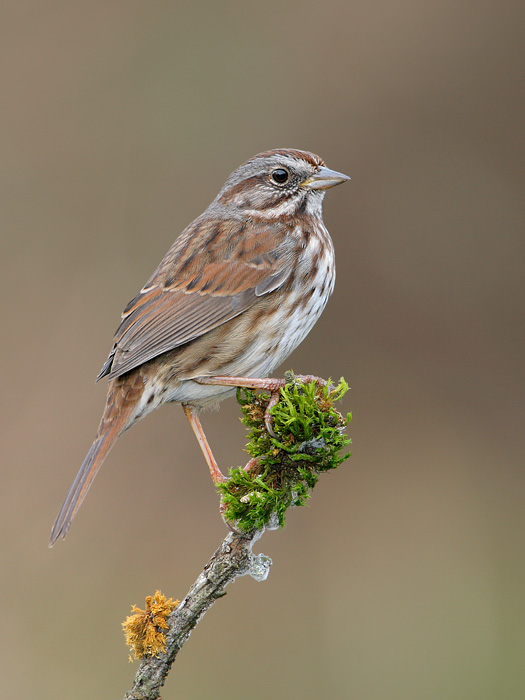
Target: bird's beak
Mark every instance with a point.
(324, 178)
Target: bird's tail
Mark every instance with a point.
(123, 397)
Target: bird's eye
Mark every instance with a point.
(280, 176)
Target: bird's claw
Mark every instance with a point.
(275, 386)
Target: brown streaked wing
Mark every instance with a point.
(162, 318)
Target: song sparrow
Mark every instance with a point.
(239, 289)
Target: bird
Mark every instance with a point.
(236, 293)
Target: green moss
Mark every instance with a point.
(309, 438)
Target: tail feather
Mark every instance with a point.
(123, 397)
(79, 488)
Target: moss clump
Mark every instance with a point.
(309, 436)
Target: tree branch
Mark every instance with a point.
(306, 439)
(232, 559)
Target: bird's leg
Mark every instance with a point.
(191, 414)
(216, 474)
(251, 464)
(268, 383)
(265, 383)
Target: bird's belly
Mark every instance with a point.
(251, 345)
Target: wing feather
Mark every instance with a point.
(192, 293)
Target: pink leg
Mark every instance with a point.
(274, 400)
(254, 462)
(191, 414)
(267, 383)
(256, 382)
(216, 474)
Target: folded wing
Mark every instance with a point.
(211, 274)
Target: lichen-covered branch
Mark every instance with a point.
(234, 558)
(306, 439)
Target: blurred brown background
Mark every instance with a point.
(120, 121)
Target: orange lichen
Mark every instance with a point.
(143, 629)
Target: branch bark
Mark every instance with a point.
(233, 558)
(281, 474)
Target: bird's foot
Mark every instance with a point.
(270, 384)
